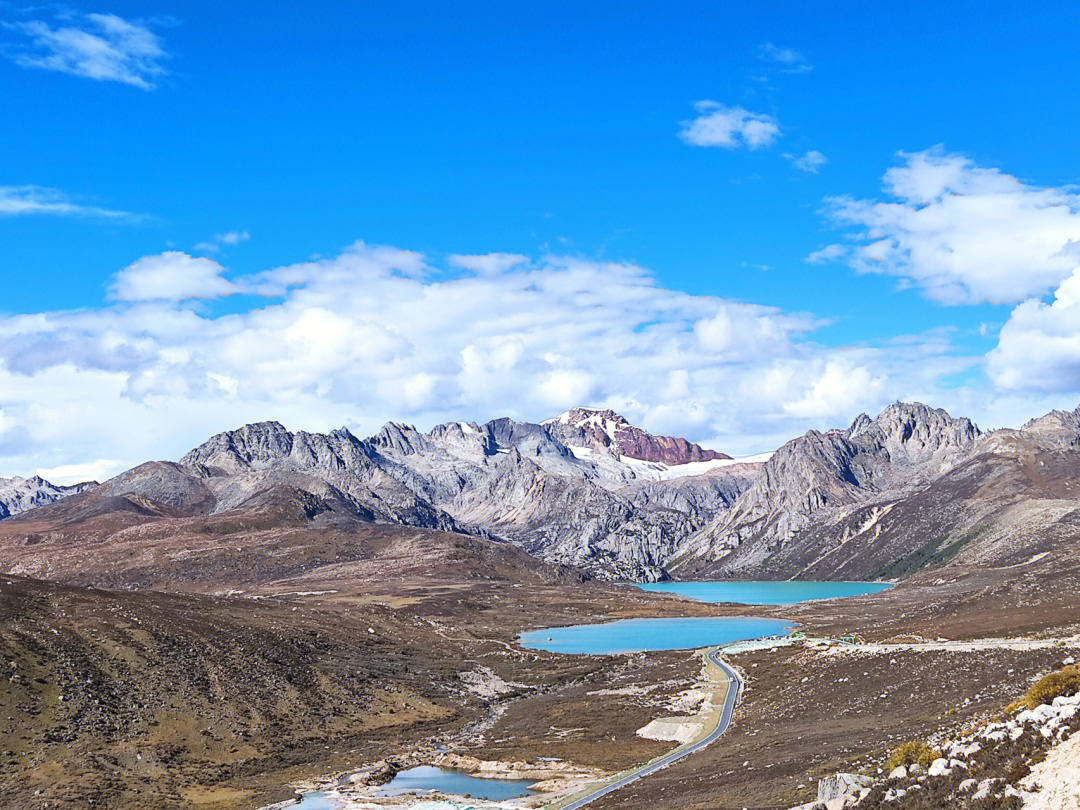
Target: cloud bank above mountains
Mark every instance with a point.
(382, 332)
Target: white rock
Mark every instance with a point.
(983, 791)
(968, 784)
(939, 767)
(841, 785)
(898, 773)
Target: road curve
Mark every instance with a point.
(731, 698)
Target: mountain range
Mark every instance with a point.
(884, 497)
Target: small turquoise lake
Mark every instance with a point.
(426, 777)
(651, 635)
(765, 592)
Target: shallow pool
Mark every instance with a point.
(763, 592)
(426, 777)
(644, 635)
(315, 801)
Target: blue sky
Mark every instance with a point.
(717, 146)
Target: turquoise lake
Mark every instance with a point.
(650, 635)
(426, 777)
(763, 592)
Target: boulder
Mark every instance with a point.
(840, 786)
(939, 767)
(898, 773)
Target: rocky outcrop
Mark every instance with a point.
(607, 431)
(820, 477)
(19, 495)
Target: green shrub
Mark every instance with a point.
(1065, 681)
(911, 752)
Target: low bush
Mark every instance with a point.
(911, 752)
(1065, 681)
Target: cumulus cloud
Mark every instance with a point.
(810, 162)
(1039, 347)
(381, 333)
(962, 233)
(103, 47)
(729, 127)
(31, 200)
(170, 276)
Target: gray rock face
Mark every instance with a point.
(509, 480)
(818, 478)
(18, 495)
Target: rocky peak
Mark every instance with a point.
(250, 446)
(19, 494)
(400, 438)
(1060, 429)
(604, 431)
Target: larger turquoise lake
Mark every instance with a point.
(651, 635)
(765, 592)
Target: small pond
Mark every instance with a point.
(765, 592)
(426, 777)
(315, 800)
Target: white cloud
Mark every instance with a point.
(233, 237)
(103, 47)
(67, 474)
(1039, 347)
(489, 264)
(810, 162)
(31, 200)
(839, 383)
(230, 238)
(792, 60)
(171, 276)
(828, 253)
(962, 233)
(729, 127)
(378, 333)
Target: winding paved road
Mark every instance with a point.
(731, 698)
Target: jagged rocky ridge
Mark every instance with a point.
(880, 499)
(817, 479)
(613, 516)
(21, 494)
